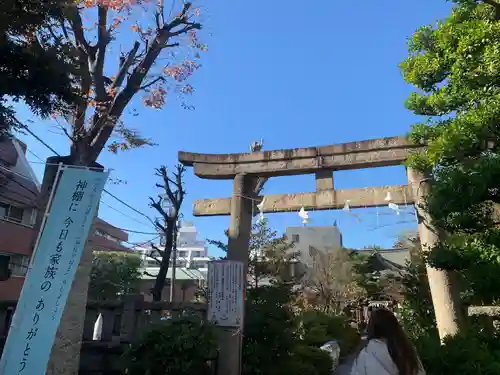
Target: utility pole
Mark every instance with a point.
(174, 262)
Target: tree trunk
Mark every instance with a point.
(173, 280)
(442, 283)
(157, 289)
(65, 355)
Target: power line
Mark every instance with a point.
(11, 179)
(129, 206)
(106, 191)
(138, 244)
(37, 138)
(31, 199)
(120, 212)
(136, 231)
(35, 155)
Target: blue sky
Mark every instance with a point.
(296, 75)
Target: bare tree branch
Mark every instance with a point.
(65, 131)
(75, 20)
(104, 127)
(125, 65)
(174, 191)
(97, 60)
(149, 84)
(83, 48)
(157, 249)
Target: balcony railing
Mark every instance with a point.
(16, 238)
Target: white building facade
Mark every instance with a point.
(192, 258)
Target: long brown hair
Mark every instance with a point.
(384, 325)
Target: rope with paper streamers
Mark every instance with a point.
(405, 212)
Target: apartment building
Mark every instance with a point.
(191, 265)
(19, 189)
(107, 237)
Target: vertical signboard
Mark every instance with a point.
(47, 285)
(226, 288)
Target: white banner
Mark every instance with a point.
(226, 293)
(47, 285)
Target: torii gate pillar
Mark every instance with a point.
(241, 219)
(445, 297)
(231, 340)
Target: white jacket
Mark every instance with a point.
(375, 360)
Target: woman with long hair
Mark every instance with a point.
(388, 351)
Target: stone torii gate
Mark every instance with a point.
(250, 170)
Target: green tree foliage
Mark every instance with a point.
(114, 274)
(417, 311)
(377, 285)
(280, 338)
(269, 254)
(269, 328)
(366, 276)
(274, 342)
(455, 66)
(31, 70)
(471, 352)
(317, 328)
(179, 346)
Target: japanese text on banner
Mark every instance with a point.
(46, 288)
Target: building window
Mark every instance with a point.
(295, 238)
(182, 254)
(11, 213)
(197, 254)
(19, 264)
(101, 233)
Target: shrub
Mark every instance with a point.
(269, 330)
(179, 346)
(309, 360)
(472, 352)
(318, 328)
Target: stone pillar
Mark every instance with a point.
(231, 340)
(241, 219)
(324, 180)
(443, 284)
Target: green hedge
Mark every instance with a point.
(473, 352)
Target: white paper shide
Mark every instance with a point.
(225, 293)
